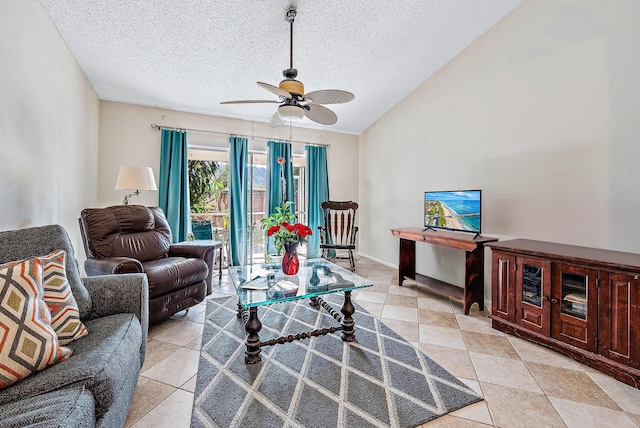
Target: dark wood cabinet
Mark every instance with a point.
(584, 302)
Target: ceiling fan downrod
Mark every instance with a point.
(290, 16)
(290, 84)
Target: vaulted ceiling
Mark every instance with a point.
(191, 55)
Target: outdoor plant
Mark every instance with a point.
(287, 234)
(202, 184)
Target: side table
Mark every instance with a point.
(217, 246)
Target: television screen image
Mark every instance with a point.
(453, 210)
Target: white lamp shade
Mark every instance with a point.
(290, 113)
(136, 178)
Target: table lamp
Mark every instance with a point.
(135, 178)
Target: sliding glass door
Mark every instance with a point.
(256, 206)
(212, 204)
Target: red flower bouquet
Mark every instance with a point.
(285, 233)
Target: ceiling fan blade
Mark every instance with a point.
(276, 120)
(320, 114)
(275, 90)
(330, 96)
(250, 102)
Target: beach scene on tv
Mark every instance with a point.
(453, 210)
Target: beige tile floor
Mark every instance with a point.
(524, 385)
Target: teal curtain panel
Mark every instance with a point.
(173, 193)
(280, 185)
(317, 193)
(239, 189)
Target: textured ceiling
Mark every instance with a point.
(190, 55)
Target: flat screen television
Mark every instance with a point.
(453, 210)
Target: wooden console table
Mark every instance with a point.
(473, 289)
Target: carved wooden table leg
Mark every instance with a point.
(407, 266)
(347, 309)
(474, 279)
(252, 326)
(313, 301)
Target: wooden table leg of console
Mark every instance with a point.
(474, 279)
(407, 265)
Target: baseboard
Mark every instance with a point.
(375, 259)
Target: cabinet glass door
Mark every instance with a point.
(575, 305)
(532, 284)
(574, 295)
(532, 290)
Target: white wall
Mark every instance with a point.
(48, 125)
(542, 113)
(126, 138)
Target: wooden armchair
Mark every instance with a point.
(339, 231)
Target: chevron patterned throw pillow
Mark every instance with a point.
(65, 316)
(28, 343)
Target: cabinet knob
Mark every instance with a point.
(554, 300)
(635, 277)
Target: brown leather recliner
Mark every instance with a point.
(137, 239)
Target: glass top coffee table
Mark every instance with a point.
(265, 284)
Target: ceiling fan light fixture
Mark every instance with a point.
(290, 113)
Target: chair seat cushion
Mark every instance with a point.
(69, 408)
(174, 273)
(102, 362)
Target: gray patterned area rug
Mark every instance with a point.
(379, 381)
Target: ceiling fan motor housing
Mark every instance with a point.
(291, 85)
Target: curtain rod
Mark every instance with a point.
(174, 128)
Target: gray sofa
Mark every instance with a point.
(95, 386)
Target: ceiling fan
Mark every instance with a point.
(294, 103)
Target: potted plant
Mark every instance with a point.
(288, 236)
(282, 214)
